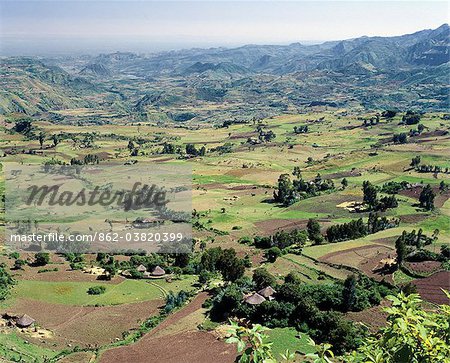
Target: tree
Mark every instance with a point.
(349, 293)
(313, 229)
(23, 126)
(370, 193)
(400, 138)
(388, 113)
(272, 254)
(420, 128)
(285, 193)
(55, 139)
(297, 172)
(411, 118)
(6, 281)
(426, 198)
(400, 248)
(168, 148)
(231, 267)
(41, 259)
(204, 277)
(263, 278)
(344, 183)
(415, 161)
(41, 138)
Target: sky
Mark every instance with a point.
(61, 27)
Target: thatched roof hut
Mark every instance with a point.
(158, 271)
(25, 321)
(141, 268)
(267, 292)
(255, 299)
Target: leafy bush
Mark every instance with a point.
(96, 290)
(412, 334)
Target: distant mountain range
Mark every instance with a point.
(423, 48)
(409, 71)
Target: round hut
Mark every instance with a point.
(255, 299)
(158, 271)
(267, 292)
(25, 321)
(141, 268)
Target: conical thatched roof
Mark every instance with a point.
(141, 268)
(267, 291)
(158, 271)
(255, 299)
(25, 321)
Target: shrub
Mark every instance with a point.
(96, 290)
(41, 259)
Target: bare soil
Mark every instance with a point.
(86, 326)
(430, 288)
(190, 346)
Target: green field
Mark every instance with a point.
(15, 349)
(74, 293)
(289, 338)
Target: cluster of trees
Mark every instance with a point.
(389, 113)
(413, 334)
(6, 281)
(372, 121)
(170, 148)
(223, 149)
(431, 169)
(88, 159)
(370, 197)
(288, 192)
(357, 228)
(282, 239)
(420, 129)
(314, 231)
(409, 243)
(314, 309)
(375, 223)
(411, 118)
(426, 198)
(345, 231)
(23, 126)
(174, 301)
(401, 138)
(415, 163)
(302, 129)
(265, 135)
(192, 150)
(224, 261)
(132, 148)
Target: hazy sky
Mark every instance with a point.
(30, 27)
